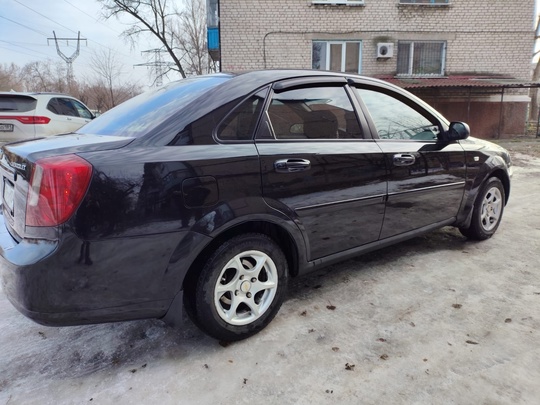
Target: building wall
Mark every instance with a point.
(483, 36)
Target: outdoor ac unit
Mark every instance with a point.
(385, 50)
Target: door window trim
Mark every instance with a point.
(425, 112)
(304, 83)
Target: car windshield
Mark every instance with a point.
(139, 115)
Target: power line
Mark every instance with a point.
(56, 22)
(44, 16)
(93, 18)
(22, 53)
(22, 25)
(23, 47)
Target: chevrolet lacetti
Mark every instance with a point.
(209, 193)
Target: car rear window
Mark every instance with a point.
(17, 103)
(139, 115)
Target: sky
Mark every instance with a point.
(25, 26)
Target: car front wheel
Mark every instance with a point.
(488, 211)
(240, 288)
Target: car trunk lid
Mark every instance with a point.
(16, 166)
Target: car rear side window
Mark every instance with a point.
(240, 124)
(12, 103)
(314, 113)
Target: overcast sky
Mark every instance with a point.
(25, 26)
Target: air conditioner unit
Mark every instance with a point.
(385, 50)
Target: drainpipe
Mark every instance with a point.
(501, 114)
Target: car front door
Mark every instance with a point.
(426, 177)
(319, 167)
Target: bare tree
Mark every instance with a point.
(190, 35)
(108, 71)
(10, 78)
(96, 94)
(152, 16)
(44, 76)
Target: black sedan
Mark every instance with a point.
(209, 193)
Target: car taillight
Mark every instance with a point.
(28, 119)
(57, 187)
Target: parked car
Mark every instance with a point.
(210, 193)
(34, 115)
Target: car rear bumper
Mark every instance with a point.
(73, 282)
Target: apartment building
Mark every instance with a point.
(460, 55)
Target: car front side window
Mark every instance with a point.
(394, 119)
(82, 110)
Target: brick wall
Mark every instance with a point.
(483, 36)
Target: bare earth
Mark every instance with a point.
(437, 319)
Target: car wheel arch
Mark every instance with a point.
(498, 172)
(277, 233)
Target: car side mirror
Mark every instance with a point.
(457, 131)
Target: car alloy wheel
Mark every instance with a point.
(492, 205)
(246, 287)
(239, 289)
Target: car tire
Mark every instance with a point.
(488, 211)
(240, 288)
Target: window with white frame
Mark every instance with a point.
(346, 2)
(339, 56)
(421, 58)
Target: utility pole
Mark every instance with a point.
(69, 60)
(158, 65)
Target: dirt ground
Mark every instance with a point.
(437, 319)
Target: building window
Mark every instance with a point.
(346, 2)
(424, 1)
(421, 58)
(339, 56)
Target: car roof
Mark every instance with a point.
(32, 93)
(272, 75)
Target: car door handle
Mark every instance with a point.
(403, 159)
(291, 165)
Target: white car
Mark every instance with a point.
(34, 115)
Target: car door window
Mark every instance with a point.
(240, 124)
(313, 113)
(394, 119)
(62, 106)
(82, 110)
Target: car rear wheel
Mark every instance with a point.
(240, 288)
(488, 211)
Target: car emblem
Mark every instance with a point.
(20, 166)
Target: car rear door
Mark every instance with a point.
(426, 178)
(319, 167)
